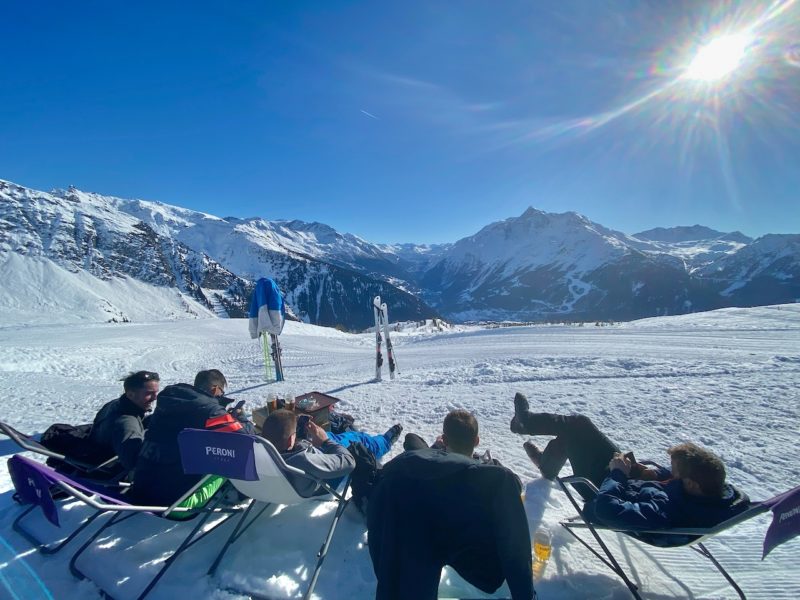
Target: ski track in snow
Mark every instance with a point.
(727, 379)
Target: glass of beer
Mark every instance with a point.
(542, 544)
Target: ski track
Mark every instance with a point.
(719, 380)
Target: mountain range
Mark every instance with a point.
(70, 255)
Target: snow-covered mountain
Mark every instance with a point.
(532, 267)
(543, 266)
(171, 247)
(63, 237)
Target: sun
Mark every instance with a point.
(719, 58)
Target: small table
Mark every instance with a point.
(315, 404)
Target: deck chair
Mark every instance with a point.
(785, 526)
(35, 481)
(39, 485)
(107, 470)
(257, 470)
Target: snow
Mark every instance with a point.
(37, 290)
(726, 379)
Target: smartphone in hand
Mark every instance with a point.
(302, 425)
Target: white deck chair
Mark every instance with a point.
(257, 470)
(785, 526)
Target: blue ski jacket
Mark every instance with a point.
(635, 504)
(267, 311)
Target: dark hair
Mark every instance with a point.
(205, 380)
(279, 427)
(135, 381)
(700, 465)
(461, 430)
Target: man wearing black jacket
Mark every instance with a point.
(158, 478)
(435, 507)
(119, 426)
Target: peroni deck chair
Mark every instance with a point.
(785, 525)
(257, 470)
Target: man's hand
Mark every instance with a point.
(620, 462)
(316, 434)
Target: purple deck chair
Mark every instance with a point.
(34, 482)
(255, 468)
(785, 525)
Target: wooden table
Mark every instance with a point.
(315, 404)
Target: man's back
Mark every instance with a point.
(433, 508)
(158, 477)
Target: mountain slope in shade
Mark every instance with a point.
(691, 233)
(766, 271)
(696, 246)
(327, 278)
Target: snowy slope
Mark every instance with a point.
(40, 291)
(726, 379)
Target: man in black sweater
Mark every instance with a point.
(434, 507)
(119, 426)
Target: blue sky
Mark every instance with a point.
(409, 121)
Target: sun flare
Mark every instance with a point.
(718, 58)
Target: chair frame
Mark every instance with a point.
(696, 536)
(186, 438)
(194, 536)
(103, 504)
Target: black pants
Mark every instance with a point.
(577, 440)
(415, 442)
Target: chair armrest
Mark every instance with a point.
(573, 479)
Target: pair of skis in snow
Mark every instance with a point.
(382, 323)
(272, 357)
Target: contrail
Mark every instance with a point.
(370, 115)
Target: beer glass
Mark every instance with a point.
(542, 544)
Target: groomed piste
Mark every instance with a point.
(726, 379)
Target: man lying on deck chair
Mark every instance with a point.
(321, 454)
(692, 493)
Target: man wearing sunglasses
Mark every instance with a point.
(119, 426)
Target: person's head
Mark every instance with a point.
(701, 471)
(141, 388)
(460, 432)
(280, 428)
(211, 381)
